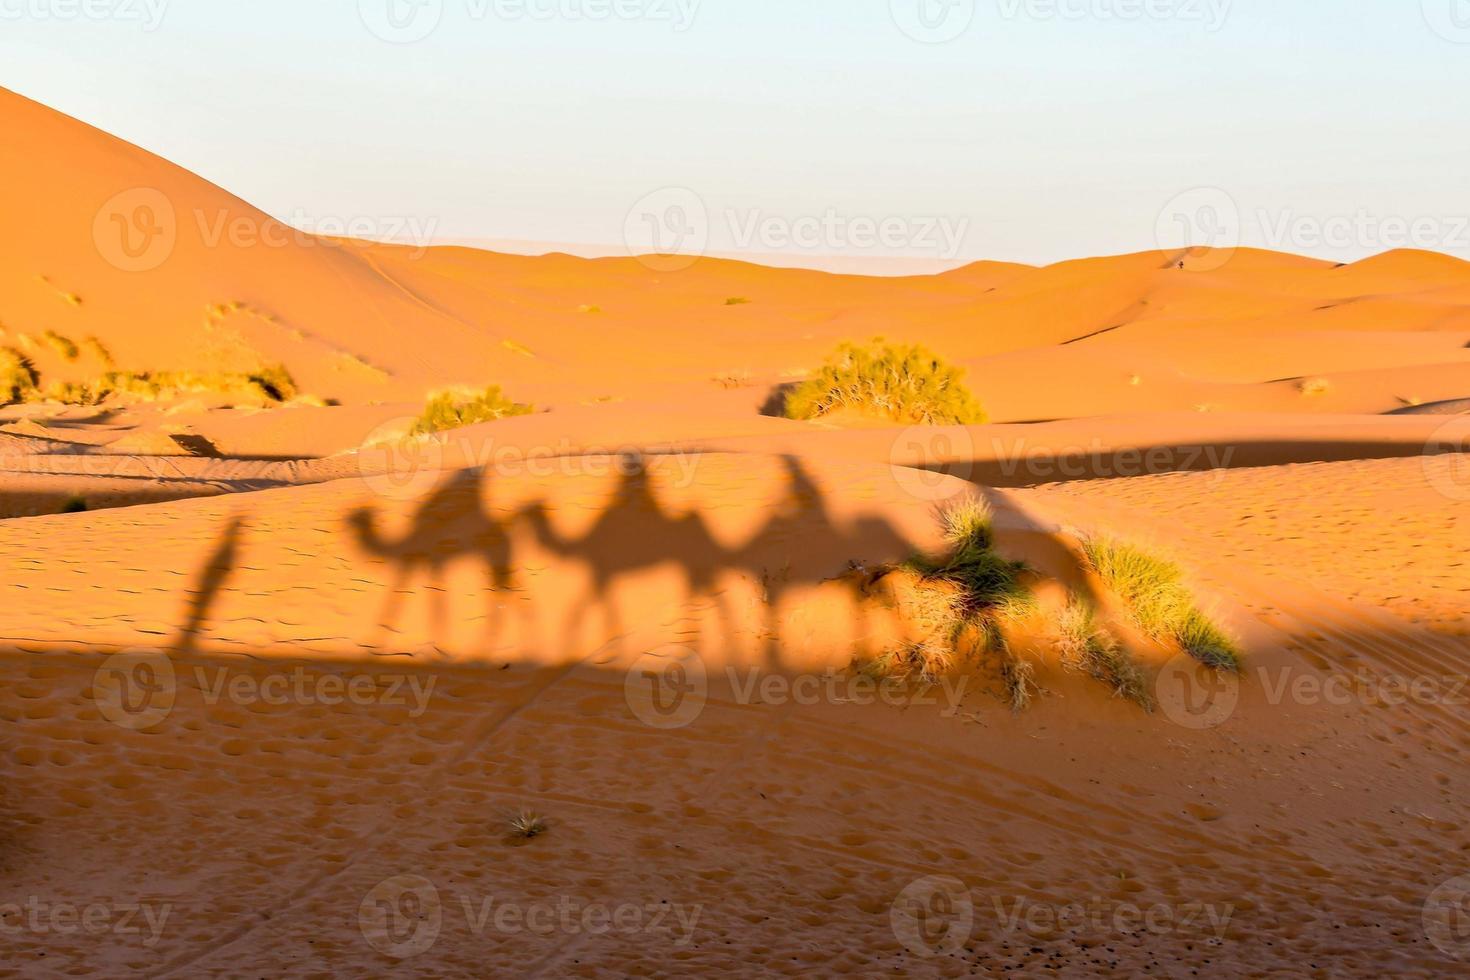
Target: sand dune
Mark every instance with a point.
(280, 682)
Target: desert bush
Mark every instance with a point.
(970, 592)
(1088, 646)
(98, 350)
(1157, 600)
(457, 407)
(62, 345)
(1312, 387)
(907, 384)
(274, 382)
(18, 377)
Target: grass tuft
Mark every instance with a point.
(1157, 600)
(1086, 645)
(458, 407)
(18, 377)
(1314, 387)
(907, 384)
(61, 345)
(527, 825)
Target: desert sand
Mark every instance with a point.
(279, 684)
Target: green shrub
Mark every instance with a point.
(458, 407)
(907, 384)
(62, 345)
(1158, 601)
(1088, 646)
(18, 377)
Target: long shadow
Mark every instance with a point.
(454, 522)
(212, 577)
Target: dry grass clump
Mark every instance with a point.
(1313, 387)
(1159, 603)
(98, 350)
(527, 825)
(270, 383)
(456, 407)
(61, 345)
(1088, 646)
(906, 384)
(959, 601)
(18, 377)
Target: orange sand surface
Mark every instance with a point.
(278, 684)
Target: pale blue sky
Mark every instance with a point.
(1031, 136)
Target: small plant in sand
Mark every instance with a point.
(18, 378)
(1086, 645)
(736, 301)
(458, 407)
(97, 350)
(907, 384)
(527, 825)
(1157, 600)
(61, 345)
(959, 602)
(1314, 387)
(731, 380)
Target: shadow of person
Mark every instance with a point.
(634, 533)
(212, 577)
(454, 522)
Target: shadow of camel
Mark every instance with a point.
(634, 533)
(452, 523)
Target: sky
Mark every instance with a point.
(886, 135)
